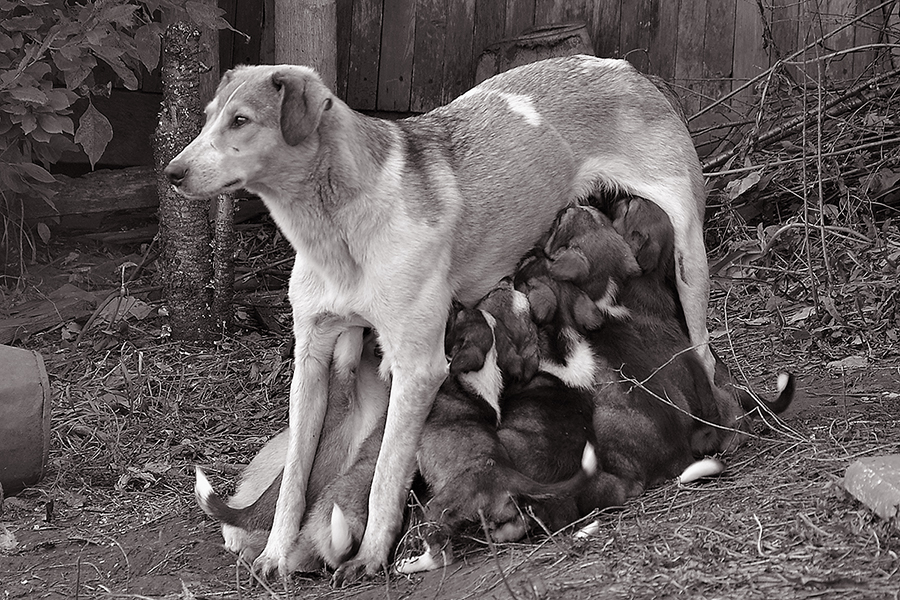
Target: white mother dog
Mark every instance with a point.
(391, 220)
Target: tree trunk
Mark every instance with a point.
(306, 34)
(186, 268)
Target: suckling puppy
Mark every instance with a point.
(357, 403)
(460, 455)
(648, 232)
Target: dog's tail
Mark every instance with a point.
(256, 516)
(523, 487)
(786, 386)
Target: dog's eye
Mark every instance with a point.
(239, 121)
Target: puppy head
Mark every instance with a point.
(555, 303)
(647, 230)
(585, 249)
(469, 338)
(515, 333)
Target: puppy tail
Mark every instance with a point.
(786, 387)
(257, 516)
(211, 503)
(342, 542)
(533, 490)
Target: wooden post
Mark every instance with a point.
(306, 34)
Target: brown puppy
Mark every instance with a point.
(648, 232)
(460, 454)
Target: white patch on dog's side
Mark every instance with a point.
(488, 382)
(517, 103)
(578, 370)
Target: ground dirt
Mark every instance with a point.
(115, 517)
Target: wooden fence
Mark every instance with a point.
(406, 56)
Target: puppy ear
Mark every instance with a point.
(570, 264)
(542, 300)
(303, 100)
(586, 314)
(467, 357)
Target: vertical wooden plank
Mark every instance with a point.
(395, 66)
(459, 59)
(490, 19)
(784, 24)
(718, 63)
(365, 50)
(267, 41)
(750, 57)
(663, 38)
(519, 17)
(550, 12)
(344, 23)
(606, 27)
(429, 55)
(689, 54)
(834, 14)
(867, 32)
(226, 36)
(634, 33)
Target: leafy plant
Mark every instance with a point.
(55, 52)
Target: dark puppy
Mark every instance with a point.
(460, 455)
(648, 232)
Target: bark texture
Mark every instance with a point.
(186, 267)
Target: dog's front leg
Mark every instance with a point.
(314, 345)
(418, 369)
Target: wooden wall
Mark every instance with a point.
(412, 55)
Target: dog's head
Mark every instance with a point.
(518, 352)
(468, 340)
(585, 249)
(647, 230)
(259, 116)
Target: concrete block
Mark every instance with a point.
(875, 481)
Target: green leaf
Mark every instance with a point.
(29, 94)
(44, 232)
(37, 172)
(94, 133)
(148, 42)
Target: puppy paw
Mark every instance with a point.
(426, 562)
(352, 571)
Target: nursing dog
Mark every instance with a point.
(392, 220)
(460, 456)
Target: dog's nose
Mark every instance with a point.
(175, 173)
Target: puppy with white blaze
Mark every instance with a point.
(393, 220)
(461, 457)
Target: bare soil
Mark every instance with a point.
(115, 517)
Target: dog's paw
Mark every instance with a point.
(352, 571)
(425, 562)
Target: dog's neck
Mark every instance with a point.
(344, 157)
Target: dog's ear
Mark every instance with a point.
(542, 299)
(303, 100)
(570, 264)
(586, 314)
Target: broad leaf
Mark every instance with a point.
(94, 133)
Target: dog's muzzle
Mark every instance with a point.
(175, 173)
